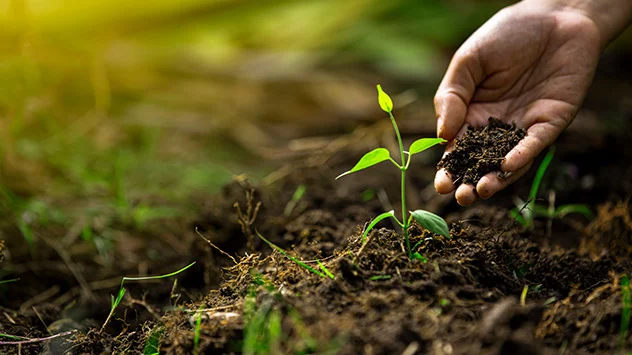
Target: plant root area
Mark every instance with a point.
(492, 288)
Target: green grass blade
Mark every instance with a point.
(7, 281)
(196, 334)
(564, 210)
(157, 277)
(297, 261)
(422, 144)
(537, 180)
(369, 159)
(375, 221)
(431, 222)
(626, 301)
(325, 270)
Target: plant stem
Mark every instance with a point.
(403, 169)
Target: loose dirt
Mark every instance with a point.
(466, 299)
(481, 151)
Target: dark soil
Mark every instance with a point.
(466, 299)
(481, 151)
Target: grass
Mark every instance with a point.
(325, 272)
(626, 311)
(196, 332)
(525, 212)
(121, 293)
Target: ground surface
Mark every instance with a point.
(464, 300)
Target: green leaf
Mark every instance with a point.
(563, 210)
(419, 257)
(386, 104)
(375, 221)
(540, 174)
(369, 159)
(422, 144)
(431, 222)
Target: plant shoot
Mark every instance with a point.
(426, 219)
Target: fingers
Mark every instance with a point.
(538, 137)
(456, 90)
(444, 182)
(465, 195)
(490, 184)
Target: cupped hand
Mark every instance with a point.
(528, 64)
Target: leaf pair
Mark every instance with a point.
(427, 220)
(379, 155)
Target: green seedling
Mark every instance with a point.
(523, 295)
(525, 212)
(427, 220)
(626, 310)
(380, 277)
(121, 293)
(196, 334)
(296, 197)
(325, 272)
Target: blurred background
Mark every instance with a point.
(119, 110)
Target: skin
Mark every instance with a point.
(531, 63)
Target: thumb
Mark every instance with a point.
(456, 91)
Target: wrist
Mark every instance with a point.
(610, 17)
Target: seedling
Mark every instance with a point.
(426, 219)
(121, 293)
(525, 212)
(196, 334)
(325, 272)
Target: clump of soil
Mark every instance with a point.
(611, 231)
(481, 151)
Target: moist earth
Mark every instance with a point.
(481, 151)
(492, 288)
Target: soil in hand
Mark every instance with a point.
(481, 151)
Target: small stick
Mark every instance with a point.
(214, 246)
(38, 340)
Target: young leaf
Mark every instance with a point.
(419, 257)
(375, 221)
(422, 144)
(369, 159)
(386, 104)
(431, 222)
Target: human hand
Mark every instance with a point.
(529, 64)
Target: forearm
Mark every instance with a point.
(610, 16)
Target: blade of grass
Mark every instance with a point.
(121, 293)
(626, 301)
(325, 270)
(7, 281)
(297, 261)
(539, 175)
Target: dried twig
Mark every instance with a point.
(247, 218)
(215, 246)
(37, 340)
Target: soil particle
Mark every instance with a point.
(481, 151)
